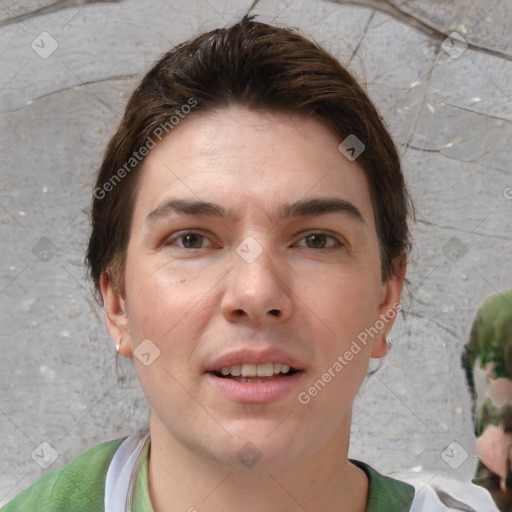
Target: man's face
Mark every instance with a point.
(263, 284)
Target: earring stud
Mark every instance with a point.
(389, 342)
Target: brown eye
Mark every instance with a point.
(316, 240)
(192, 240)
(187, 240)
(319, 241)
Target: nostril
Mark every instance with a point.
(274, 312)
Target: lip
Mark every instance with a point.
(251, 356)
(255, 393)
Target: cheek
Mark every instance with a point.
(327, 397)
(346, 301)
(154, 299)
(347, 308)
(167, 302)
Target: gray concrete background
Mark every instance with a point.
(451, 118)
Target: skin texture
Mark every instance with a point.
(195, 304)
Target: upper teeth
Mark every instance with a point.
(255, 370)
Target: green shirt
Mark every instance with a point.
(80, 486)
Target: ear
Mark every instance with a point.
(116, 320)
(389, 307)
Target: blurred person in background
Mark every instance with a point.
(487, 360)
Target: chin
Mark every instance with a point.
(273, 442)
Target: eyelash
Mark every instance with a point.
(169, 241)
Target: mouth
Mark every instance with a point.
(251, 383)
(253, 376)
(256, 373)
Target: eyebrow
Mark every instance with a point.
(301, 208)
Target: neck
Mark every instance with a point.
(191, 480)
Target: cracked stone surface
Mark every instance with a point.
(451, 118)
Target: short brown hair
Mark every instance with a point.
(258, 66)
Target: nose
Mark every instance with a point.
(258, 287)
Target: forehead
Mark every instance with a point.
(241, 158)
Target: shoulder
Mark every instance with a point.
(386, 494)
(78, 486)
(443, 493)
(411, 491)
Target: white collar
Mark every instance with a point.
(120, 480)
